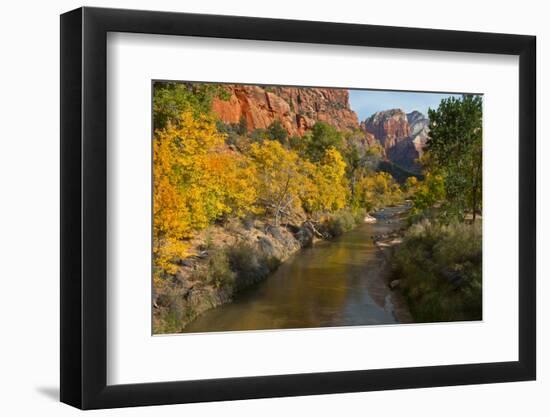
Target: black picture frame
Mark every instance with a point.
(84, 207)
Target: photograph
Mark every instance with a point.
(291, 207)
(245, 208)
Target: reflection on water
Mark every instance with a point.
(335, 283)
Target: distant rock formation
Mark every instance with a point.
(403, 136)
(420, 128)
(389, 127)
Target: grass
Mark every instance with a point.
(440, 271)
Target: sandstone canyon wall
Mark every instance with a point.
(296, 108)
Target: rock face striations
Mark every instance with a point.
(296, 108)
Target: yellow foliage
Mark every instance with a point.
(197, 180)
(288, 183)
(411, 183)
(376, 190)
(334, 185)
(326, 186)
(280, 176)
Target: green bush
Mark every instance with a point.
(343, 221)
(277, 132)
(440, 270)
(219, 272)
(359, 215)
(249, 264)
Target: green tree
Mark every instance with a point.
(277, 132)
(323, 137)
(454, 151)
(242, 127)
(171, 99)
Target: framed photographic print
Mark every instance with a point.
(257, 208)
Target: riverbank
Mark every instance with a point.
(227, 259)
(341, 282)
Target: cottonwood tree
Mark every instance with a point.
(454, 150)
(279, 176)
(197, 180)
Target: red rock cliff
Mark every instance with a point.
(402, 135)
(296, 108)
(389, 127)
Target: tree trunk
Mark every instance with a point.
(476, 189)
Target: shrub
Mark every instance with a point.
(259, 135)
(440, 268)
(248, 264)
(277, 132)
(358, 215)
(174, 310)
(219, 272)
(341, 222)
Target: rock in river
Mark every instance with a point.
(394, 284)
(369, 219)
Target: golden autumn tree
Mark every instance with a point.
(280, 178)
(333, 188)
(197, 179)
(377, 189)
(325, 187)
(171, 221)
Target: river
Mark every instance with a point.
(341, 282)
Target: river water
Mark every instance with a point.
(341, 282)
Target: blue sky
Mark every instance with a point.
(367, 102)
